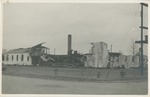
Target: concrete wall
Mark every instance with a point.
(12, 59)
(122, 61)
(89, 61)
(133, 61)
(126, 61)
(97, 60)
(99, 55)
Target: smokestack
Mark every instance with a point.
(69, 44)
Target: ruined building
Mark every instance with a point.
(26, 56)
(98, 56)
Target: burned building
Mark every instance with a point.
(38, 55)
(118, 60)
(98, 57)
(71, 60)
(26, 56)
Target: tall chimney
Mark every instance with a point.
(69, 44)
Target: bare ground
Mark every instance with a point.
(21, 85)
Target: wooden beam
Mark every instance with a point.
(144, 4)
(145, 42)
(144, 27)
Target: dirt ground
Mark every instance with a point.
(22, 85)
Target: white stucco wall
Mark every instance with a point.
(122, 61)
(100, 54)
(134, 63)
(19, 61)
(127, 61)
(99, 57)
(89, 61)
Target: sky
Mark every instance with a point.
(28, 24)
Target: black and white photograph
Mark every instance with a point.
(75, 48)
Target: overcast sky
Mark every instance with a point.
(26, 25)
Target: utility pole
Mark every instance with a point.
(142, 41)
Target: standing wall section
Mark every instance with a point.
(17, 59)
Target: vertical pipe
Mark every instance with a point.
(141, 39)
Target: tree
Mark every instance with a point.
(133, 48)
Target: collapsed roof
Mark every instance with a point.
(25, 50)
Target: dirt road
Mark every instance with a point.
(21, 85)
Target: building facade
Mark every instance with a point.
(25, 56)
(117, 60)
(17, 58)
(99, 57)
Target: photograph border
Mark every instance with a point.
(68, 1)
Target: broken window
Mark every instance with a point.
(22, 57)
(117, 59)
(126, 59)
(12, 57)
(28, 58)
(133, 59)
(17, 57)
(7, 58)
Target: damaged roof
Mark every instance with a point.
(39, 46)
(25, 50)
(18, 51)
